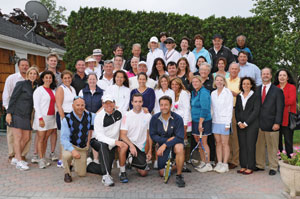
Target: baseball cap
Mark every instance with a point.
(90, 60)
(154, 39)
(142, 62)
(217, 36)
(107, 97)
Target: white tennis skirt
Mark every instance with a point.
(50, 123)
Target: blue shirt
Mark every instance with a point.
(163, 47)
(251, 70)
(203, 52)
(66, 133)
(148, 98)
(160, 132)
(200, 105)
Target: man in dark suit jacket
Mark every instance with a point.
(271, 113)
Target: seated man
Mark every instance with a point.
(134, 132)
(105, 138)
(75, 134)
(167, 129)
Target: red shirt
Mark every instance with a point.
(51, 109)
(290, 103)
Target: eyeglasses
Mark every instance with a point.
(168, 42)
(77, 97)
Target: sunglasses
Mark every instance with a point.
(169, 42)
(77, 97)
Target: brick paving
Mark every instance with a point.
(48, 183)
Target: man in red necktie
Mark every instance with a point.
(271, 113)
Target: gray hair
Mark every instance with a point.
(243, 36)
(207, 65)
(232, 64)
(136, 45)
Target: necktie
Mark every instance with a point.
(263, 95)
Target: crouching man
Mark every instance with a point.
(167, 129)
(134, 132)
(105, 139)
(75, 134)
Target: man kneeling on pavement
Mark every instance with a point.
(167, 129)
(75, 137)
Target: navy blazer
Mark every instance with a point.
(271, 111)
(175, 128)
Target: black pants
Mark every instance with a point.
(212, 147)
(288, 139)
(247, 142)
(106, 158)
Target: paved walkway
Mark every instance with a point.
(48, 183)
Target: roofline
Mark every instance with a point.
(22, 44)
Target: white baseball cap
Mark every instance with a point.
(107, 97)
(154, 39)
(97, 52)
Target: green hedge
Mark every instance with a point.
(91, 28)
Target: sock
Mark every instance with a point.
(122, 169)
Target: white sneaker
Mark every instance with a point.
(155, 166)
(201, 165)
(107, 180)
(35, 159)
(14, 161)
(218, 167)
(42, 163)
(22, 165)
(206, 168)
(224, 168)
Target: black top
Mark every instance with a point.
(21, 100)
(79, 83)
(250, 114)
(271, 111)
(127, 65)
(223, 52)
(208, 84)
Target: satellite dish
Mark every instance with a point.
(37, 12)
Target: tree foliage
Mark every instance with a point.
(285, 18)
(91, 28)
(56, 15)
(44, 29)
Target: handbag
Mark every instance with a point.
(294, 120)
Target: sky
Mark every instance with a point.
(199, 8)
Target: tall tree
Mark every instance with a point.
(285, 17)
(56, 15)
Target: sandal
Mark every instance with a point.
(248, 172)
(241, 171)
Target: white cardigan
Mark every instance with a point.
(121, 96)
(41, 102)
(172, 55)
(158, 94)
(151, 56)
(183, 107)
(222, 106)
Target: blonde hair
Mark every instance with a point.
(35, 68)
(179, 82)
(159, 81)
(158, 44)
(224, 79)
(52, 55)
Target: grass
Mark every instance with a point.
(297, 137)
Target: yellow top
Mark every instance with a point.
(233, 85)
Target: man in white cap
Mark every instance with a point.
(97, 55)
(133, 82)
(105, 139)
(154, 52)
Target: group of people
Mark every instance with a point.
(159, 105)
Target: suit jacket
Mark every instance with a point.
(251, 112)
(271, 111)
